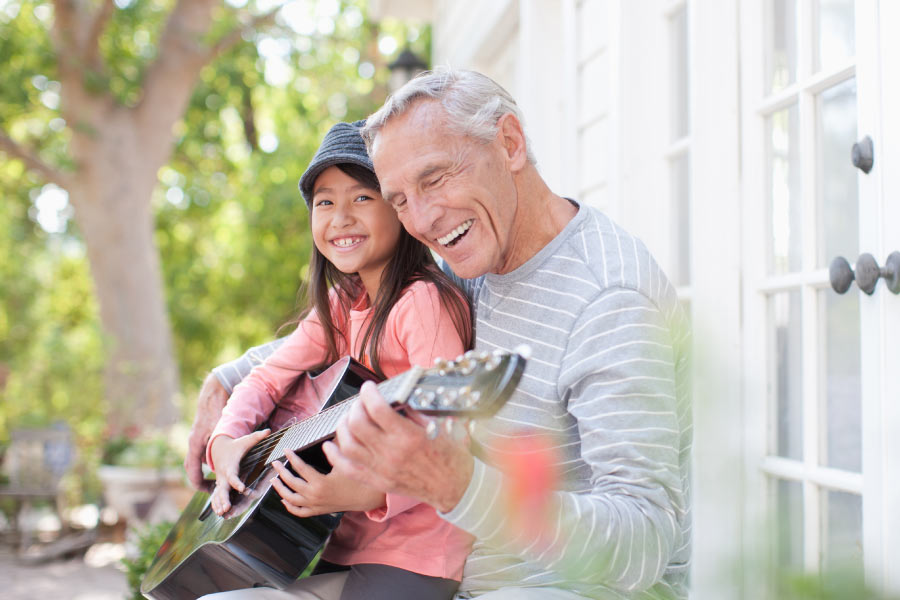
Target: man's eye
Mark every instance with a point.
(399, 204)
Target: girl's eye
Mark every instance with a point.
(323, 203)
(363, 198)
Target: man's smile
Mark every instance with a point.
(451, 238)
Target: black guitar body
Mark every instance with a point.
(257, 543)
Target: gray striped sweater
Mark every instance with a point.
(608, 381)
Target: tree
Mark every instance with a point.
(116, 149)
(224, 210)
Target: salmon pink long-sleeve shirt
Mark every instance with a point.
(404, 533)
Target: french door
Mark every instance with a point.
(822, 399)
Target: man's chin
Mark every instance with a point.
(467, 268)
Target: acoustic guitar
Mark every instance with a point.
(259, 543)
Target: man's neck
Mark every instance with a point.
(540, 216)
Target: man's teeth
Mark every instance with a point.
(443, 241)
(345, 242)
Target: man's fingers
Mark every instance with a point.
(339, 461)
(194, 470)
(382, 415)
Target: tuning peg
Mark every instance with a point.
(432, 429)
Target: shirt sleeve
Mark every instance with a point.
(254, 398)
(618, 378)
(425, 330)
(231, 373)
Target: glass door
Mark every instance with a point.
(808, 99)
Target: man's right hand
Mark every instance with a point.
(210, 403)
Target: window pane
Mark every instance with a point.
(841, 533)
(678, 28)
(788, 521)
(841, 414)
(837, 40)
(787, 428)
(784, 201)
(839, 213)
(680, 169)
(782, 45)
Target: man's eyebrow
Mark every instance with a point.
(429, 171)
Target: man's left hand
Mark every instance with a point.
(386, 451)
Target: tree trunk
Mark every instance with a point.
(114, 213)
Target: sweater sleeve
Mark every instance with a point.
(255, 397)
(618, 378)
(425, 331)
(231, 373)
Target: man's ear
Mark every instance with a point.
(512, 139)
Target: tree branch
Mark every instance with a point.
(65, 29)
(234, 36)
(92, 43)
(33, 162)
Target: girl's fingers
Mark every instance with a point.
(305, 471)
(235, 482)
(219, 499)
(288, 478)
(286, 493)
(252, 439)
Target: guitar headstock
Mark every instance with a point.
(475, 385)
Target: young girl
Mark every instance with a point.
(377, 295)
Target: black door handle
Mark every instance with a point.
(863, 154)
(867, 273)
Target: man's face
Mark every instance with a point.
(453, 193)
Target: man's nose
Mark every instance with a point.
(423, 214)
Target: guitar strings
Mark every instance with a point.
(269, 443)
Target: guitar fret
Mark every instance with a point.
(324, 423)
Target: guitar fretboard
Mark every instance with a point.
(322, 425)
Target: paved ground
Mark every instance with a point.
(91, 577)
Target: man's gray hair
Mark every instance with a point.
(473, 103)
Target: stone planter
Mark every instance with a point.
(145, 494)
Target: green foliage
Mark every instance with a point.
(148, 450)
(231, 227)
(837, 584)
(149, 539)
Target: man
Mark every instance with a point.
(605, 392)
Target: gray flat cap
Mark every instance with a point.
(342, 144)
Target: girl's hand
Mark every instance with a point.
(311, 493)
(226, 455)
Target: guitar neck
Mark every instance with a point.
(322, 425)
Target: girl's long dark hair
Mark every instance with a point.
(412, 261)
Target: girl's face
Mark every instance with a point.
(353, 227)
